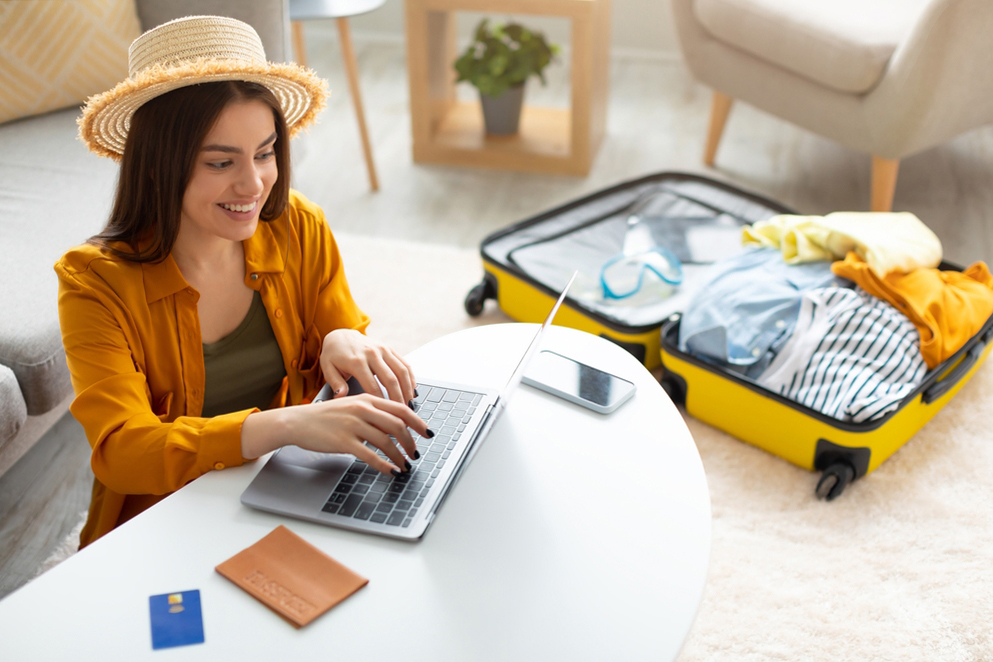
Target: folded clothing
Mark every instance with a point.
(946, 307)
(851, 356)
(887, 241)
(746, 307)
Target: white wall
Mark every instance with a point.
(639, 26)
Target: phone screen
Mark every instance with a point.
(583, 382)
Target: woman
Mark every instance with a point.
(214, 303)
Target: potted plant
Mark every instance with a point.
(497, 63)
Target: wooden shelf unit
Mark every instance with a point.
(552, 140)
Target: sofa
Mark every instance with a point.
(54, 193)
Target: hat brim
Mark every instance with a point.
(106, 117)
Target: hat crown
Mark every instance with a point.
(196, 38)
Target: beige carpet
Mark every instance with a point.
(900, 567)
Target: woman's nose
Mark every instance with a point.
(250, 180)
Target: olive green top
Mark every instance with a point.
(245, 368)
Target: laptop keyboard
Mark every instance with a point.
(364, 493)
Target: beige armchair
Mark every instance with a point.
(887, 77)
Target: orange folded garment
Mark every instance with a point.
(947, 307)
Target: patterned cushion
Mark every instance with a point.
(55, 54)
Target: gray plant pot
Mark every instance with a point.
(502, 114)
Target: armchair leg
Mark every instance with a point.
(884, 172)
(719, 109)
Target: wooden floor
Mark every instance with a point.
(656, 122)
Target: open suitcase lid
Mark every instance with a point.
(696, 219)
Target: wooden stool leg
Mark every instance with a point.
(353, 83)
(719, 109)
(884, 172)
(298, 44)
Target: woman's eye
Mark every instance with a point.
(265, 156)
(218, 165)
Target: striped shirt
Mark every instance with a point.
(851, 356)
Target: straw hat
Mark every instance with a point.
(191, 50)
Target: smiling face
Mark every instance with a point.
(232, 176)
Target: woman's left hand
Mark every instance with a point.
(348, 353)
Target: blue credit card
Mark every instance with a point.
(176, 619)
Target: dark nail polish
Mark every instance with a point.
(407, 464)
(410, 403)
(417, 455)
(395, 472)
(430, 433)
(416, 393)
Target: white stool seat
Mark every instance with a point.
(304, 10)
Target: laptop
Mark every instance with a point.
(342, 491)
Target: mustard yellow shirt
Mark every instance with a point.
(132, 339)
(947, 307)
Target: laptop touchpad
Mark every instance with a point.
(328, 462)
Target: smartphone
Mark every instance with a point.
(577, 382)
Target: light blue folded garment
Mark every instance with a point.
(747, 308)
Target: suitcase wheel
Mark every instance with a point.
(478, 295)
(834, 480)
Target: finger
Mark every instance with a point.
(404, 374)
(367, 379)
(382, 440)
(389, 379)
(399, 423)
(403, 412)
(372, 458)
(339, 387)
(392, 418)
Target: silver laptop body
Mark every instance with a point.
(341, 491)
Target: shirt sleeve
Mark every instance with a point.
(136, 448)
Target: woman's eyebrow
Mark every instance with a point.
(228, 149)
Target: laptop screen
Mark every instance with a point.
(518, 374)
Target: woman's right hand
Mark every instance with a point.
(338, 426)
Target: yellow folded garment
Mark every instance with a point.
(887, 241)
(947, 307)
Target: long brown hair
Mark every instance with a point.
(163, 142)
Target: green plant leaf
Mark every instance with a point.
(506, 55)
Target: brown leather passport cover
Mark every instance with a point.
(290, 576)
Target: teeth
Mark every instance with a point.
(240, 208)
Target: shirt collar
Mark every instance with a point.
(162, 279)
(265, 252)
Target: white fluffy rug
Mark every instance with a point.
(900, 567)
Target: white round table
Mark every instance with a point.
(571, 536)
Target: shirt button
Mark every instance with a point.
(254, 276)
(756, 351)
(218, 465)
(279, 312)
(780, 324)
